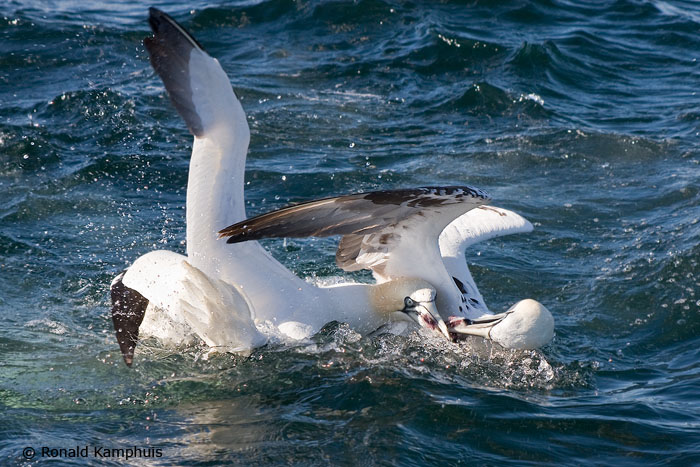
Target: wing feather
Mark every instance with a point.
(475, 226)
(372, 224)
(479, 225)
(197, 85)
(169, 51)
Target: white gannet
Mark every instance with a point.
(219, 292)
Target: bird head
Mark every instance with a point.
(415, 299)
(526, 325)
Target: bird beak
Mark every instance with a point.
(476, 327)
(427, 316)
(526, 325)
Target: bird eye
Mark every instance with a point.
(408, 302)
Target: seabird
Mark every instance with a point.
(421, 232)
(222, 293)
(219, 292)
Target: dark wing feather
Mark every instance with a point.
(360, 213)
(128, 310)
(169, 50)
(348, 250)
(370, 222)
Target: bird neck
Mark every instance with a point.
(214, 201)
(358, 305)
(387, 297)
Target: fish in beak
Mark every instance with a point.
(426, 315)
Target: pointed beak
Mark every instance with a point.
(427, 316)
(526, 325)
(481, 326)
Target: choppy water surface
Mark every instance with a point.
(583, 118)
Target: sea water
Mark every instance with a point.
(581, 116)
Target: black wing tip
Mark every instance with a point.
(128, 310)
(169, 50)
(155, 16)
(160, 22)
(225, 233)
(237, 233)
(234, 237)
(228, 235)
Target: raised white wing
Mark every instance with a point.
(392, 232)
(197, 85)
(202, 94)
(477, 225)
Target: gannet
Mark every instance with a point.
(423, 232)
(221, 292)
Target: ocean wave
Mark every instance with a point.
(485, 99)
(442, 52)
(583, 117)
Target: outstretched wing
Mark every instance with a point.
(475, 226)
(197, 85)
(390, 232)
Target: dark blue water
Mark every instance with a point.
(582, 116)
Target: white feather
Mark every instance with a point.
(183, 299)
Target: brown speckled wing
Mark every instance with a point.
(371, 223)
